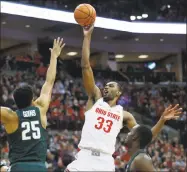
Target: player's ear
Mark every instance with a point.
(119, 93)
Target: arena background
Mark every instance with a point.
(152, 68)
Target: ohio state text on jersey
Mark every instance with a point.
(101, 127)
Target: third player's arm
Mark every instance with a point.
(169, 113)
(88, 78)
(131, 122)
(45, 95)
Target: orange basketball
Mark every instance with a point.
(85, 14)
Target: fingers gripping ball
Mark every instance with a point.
(85, 14)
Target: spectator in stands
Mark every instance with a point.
(59, 87)
(41, 70)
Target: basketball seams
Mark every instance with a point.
(84, 13)
(90, 14)
(93, 18)
(88, 9)
(81, 13)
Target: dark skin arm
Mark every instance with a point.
(169, 113)
(92, 90)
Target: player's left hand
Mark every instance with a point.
(171, 112)
(58, 45)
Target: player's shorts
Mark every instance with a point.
(28, 167)
(87, 160)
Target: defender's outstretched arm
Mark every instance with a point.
(45, 94)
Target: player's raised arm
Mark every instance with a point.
(169, 113)
(45, 95)
(88, 78)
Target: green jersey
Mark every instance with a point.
(29, 142)
(128, 165)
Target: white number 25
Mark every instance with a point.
(30, 126)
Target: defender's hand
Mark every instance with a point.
(58, 45)
(87, 30)
(172, 112)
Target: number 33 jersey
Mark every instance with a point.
(28, 142)
(101, 127)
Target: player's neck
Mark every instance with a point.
(112, 103)
(132, 151)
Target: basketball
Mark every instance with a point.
(85, 14)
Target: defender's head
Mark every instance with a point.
(23, 96)
(112, 90)
(139, 137)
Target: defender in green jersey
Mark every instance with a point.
(26, 127)
(136, 141)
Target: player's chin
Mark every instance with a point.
(105, 97)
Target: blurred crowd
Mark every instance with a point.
(151, 101)
(66, 113)
(162, 10)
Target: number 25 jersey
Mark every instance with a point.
(28, 142)
(101, 127)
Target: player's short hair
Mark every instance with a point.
(145, 135)
(23, 96)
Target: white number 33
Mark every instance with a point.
(30, 130)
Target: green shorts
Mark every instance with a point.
(28, 167)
